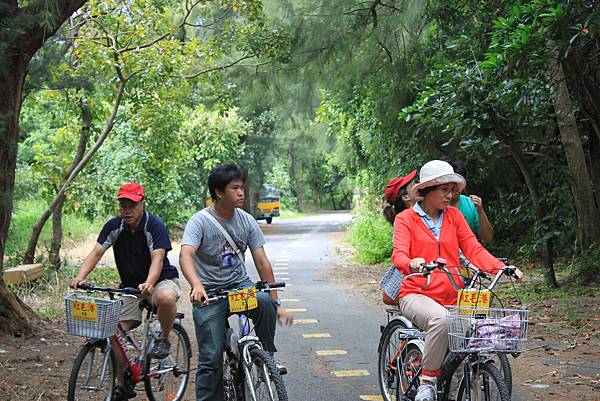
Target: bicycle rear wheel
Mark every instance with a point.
(398, 384)
(486, 385)
(263, 381)
(93, 374)
(166, 379)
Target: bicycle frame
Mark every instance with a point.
(118, 343)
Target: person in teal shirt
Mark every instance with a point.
(472, 208)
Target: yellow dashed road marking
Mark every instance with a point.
(350, 373)
(296, 310)
(317, 335)
(305, 321)
(371, 397)
(327, 352)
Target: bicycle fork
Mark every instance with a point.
(90, 365)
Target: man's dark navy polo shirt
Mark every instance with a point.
(132, 249)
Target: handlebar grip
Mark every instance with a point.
(84, 286)
(510, 271)
(427, 268)
(130, 291)
(277, 284)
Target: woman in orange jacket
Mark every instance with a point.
(428, 231)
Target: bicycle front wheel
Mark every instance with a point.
(486, 385)
(263, 381)
(93, 374)
(398, 383)
(500, 361)
(166, 379)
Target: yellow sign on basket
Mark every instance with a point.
(242, 300)
(475, 301)
(84, 311)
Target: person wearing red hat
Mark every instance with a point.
(140, 243)
(397, 195)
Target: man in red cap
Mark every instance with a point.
(140, 243)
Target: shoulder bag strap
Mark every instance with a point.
(223, 231)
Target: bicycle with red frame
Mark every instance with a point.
(94, 371)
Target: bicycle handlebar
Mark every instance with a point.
(261, 286)
(125, 290)
(428, 268)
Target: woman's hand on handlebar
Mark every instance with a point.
(416, 264)
(516, 273)
(198, 296)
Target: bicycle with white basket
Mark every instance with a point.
(478, 334)
(94, 370)
(249, 372)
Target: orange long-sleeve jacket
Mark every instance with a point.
(412, 239)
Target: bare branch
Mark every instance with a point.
(221, 67)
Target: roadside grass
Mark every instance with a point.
(286, 213)
(46, 295)
(371, 237)
(25, 215)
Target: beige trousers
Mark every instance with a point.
(428, 316)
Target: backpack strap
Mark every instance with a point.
(225, 233)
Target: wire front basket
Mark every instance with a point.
(480, 329)
(91, 317)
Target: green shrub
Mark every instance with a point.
(25, 215)
(371, 236)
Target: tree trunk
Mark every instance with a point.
(539, 207)
(297, 177)
(594, 149)
(57, 234)
(588, 214)
(18, 45)
(15, 317)
(315, 185)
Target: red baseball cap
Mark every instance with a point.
(132, 191)
(392, 188)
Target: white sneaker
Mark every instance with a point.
(426, 392)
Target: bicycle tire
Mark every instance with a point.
(86, 369)
(262, 375)
(487, 383)
(170, 385)
(387, 369)
(502, 363)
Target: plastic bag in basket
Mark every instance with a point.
(499, 334)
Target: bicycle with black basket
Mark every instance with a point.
(249, 372)
(94, 370)
(479, 335)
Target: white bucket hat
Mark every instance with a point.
(436, 172)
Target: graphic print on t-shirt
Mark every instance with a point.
(229, 259)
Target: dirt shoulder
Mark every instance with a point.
(564, 334)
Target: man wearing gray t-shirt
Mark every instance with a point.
(209, 263)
